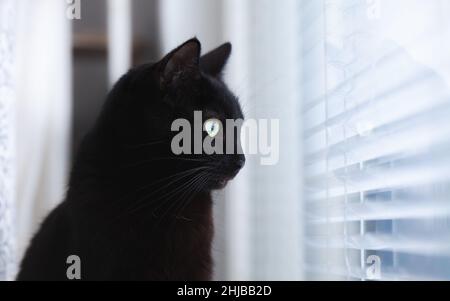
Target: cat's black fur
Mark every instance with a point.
(134, 210)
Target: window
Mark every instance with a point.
(360, 90)
(376, 107)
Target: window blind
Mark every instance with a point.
(376, 114)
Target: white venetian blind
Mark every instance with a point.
(376, 113)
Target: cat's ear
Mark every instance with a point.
(214, 62)
(182, 58)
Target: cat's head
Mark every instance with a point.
(147, 100)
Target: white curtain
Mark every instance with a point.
(258, 236)
(8, 12)
(119, 38)
(43, 109)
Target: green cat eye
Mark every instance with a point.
(212, 127)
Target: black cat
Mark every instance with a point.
(135, 210)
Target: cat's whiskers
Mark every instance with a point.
(178, 177)
(188, 194)
(168, 197)
(185, 192)
(186, 203)
(183, 204)
(172, 193)
(148, 186)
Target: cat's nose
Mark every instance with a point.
(239, 163)
(234, 164)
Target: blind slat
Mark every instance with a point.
(372, 211)
(382, 180)
(380, 242)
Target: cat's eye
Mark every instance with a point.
(212, 127)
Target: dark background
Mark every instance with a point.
(90, 71)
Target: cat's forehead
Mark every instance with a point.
(221, 99)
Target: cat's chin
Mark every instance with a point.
(222, 180)
(221, 183)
